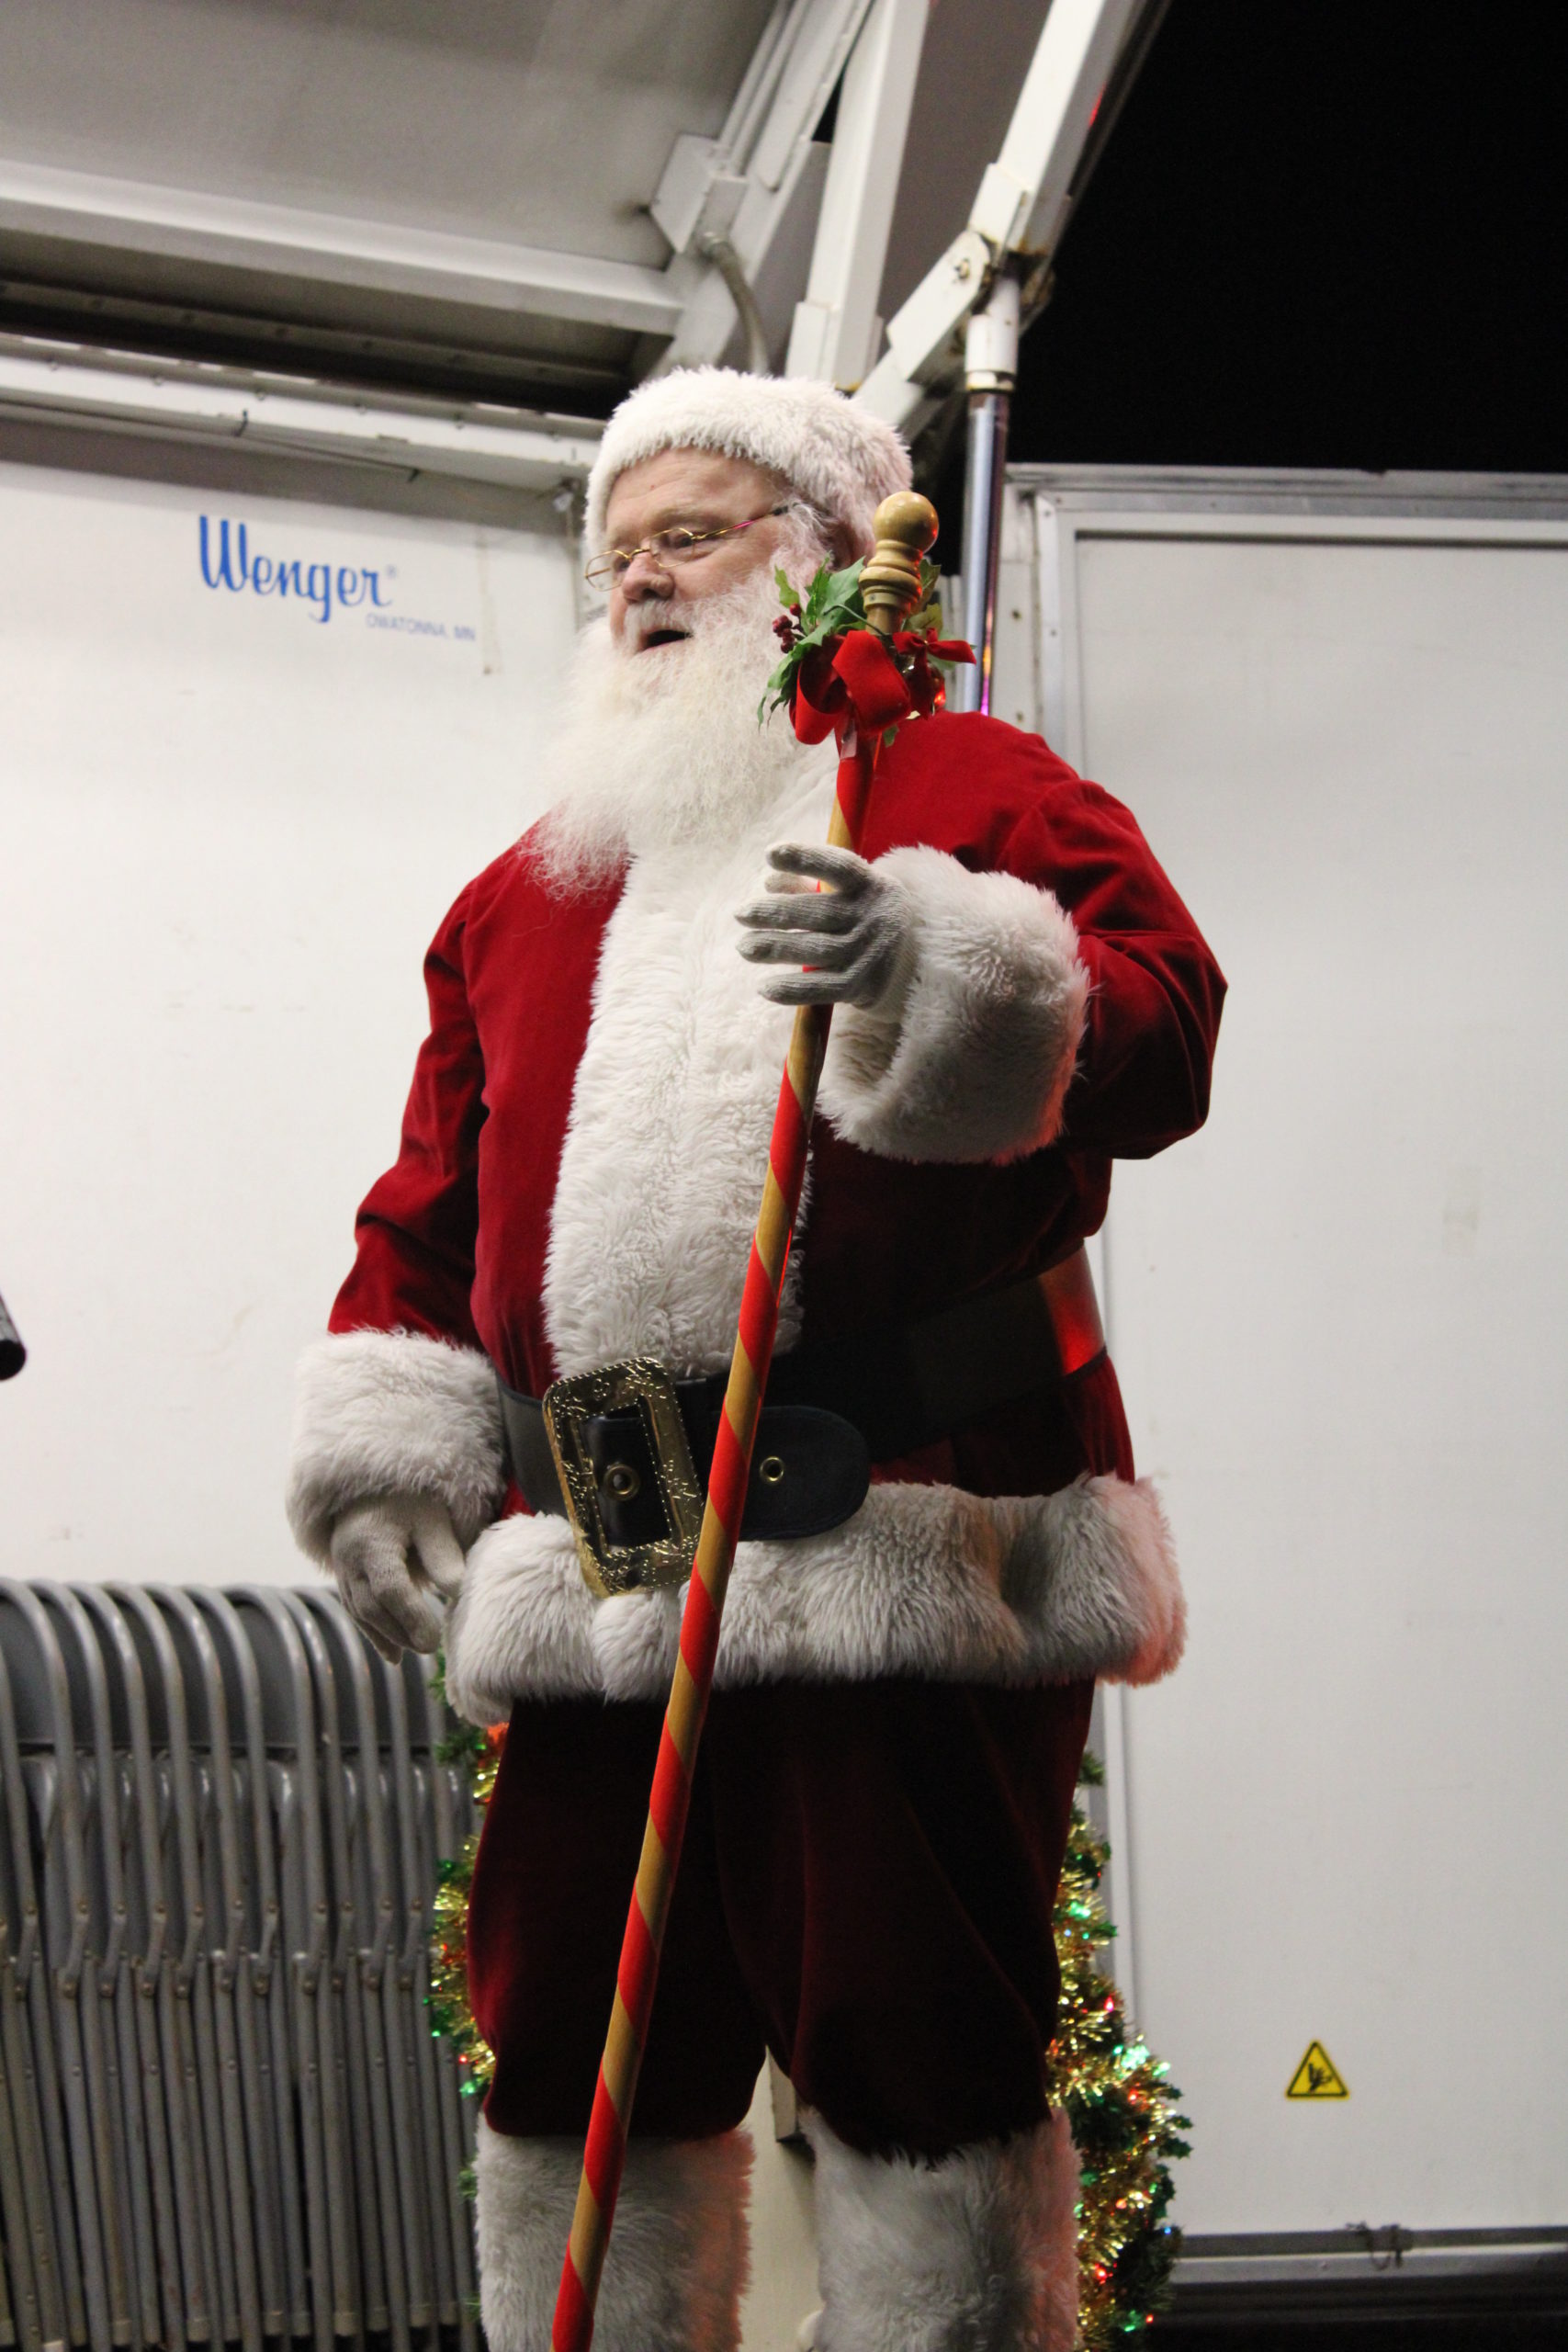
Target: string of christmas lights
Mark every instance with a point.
(1119, 2101)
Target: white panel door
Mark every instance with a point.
(1339, 1316)
(233, 808)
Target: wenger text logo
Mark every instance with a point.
(228, 562)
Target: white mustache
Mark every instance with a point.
(654, 614)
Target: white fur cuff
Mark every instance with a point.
(677, 2264)
(974, 1062)
(392, 1412)
(925, 1582)
(980, 2248)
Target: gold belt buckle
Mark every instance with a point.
(646, 1388)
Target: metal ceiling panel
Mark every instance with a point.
(380, 187)
(544, 124)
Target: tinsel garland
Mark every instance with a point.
(450, 2015)
(1119, 2099)
(1123, 2108)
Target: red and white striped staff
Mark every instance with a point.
(890, 586)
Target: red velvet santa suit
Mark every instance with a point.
(900, 1703)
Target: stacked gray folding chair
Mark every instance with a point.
(223, 2114)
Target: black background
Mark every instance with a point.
(1324, 233)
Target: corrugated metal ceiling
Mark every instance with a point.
(450, 194)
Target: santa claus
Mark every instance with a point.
(945, 1543)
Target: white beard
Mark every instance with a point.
(661, 749)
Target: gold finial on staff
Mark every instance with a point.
(890, 581)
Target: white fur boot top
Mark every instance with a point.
(677, 2264)
(976, 2253)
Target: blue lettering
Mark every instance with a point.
(227, 562)
(227, 553)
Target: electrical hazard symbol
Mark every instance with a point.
(1317, 2076)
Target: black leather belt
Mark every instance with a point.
(831, 1410)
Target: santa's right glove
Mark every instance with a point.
(397, 1560)
(855, 936)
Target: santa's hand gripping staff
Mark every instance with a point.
(942, 1541)
(873, 697)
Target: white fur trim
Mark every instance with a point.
(974, 1061)
(923, 1581)
(678, 2259)
(840, 457)
(672, 1105)
(392, 1412)
(977, 2250)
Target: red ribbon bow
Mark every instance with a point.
(854, 681)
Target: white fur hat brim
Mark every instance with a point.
(838, 458)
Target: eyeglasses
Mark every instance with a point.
(675, 546)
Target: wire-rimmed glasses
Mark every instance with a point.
(678, 544)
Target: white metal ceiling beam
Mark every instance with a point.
(1019, 208)
(59, 384)
(744, 196)
(836, 328)
(78, 208)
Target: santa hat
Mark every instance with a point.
(840, 458)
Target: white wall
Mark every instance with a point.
(227, 831)
(1339, 1316)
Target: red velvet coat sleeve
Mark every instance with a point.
(1153, 1010)
(997, 799)
(415, 1233)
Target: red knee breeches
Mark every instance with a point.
(866, 1890)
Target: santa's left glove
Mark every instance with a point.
(398, 1561)
(856, 935)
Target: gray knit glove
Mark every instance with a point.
(857, 935)
(397, 1560)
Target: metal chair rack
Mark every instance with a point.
(224, 2119)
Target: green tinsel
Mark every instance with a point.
(451, 2015)
(1123, 2108)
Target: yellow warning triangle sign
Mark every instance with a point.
(1317, 2076)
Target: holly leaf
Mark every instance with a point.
(928, 619)
(833, 607)
(776, 691)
